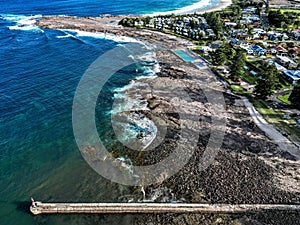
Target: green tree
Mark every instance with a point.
(295, 96)
(267, 5)
(214, 21)
(237, 65)
(228, 50)
(276, 18)
(219, 56)
(267, 81)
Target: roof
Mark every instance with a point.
(294, 74)
(280, 48)
(258, 48)
(285, 59)
(234, 40)
(279, 67)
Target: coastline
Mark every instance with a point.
(198, 7)
(223, 4)
(171, 74)
(247, 156)
(109, 26)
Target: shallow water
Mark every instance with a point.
(39, 73)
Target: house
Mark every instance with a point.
(265, 37)
(286, 62)
(234, 41)
(205, 49)
(210, 32)
(296, 36)
(249, 51)
(224, 69)
(252, 72)
(249, 10)
(258, 50)
(256, 36)
(258, 31)
(230, 24)
(279, 67)
(293, 76)
(281, 50)
(243, 43)
(256, 24)
(284, 37)
(216, 44)
(272, 51)
(244, 22)
(243, 36)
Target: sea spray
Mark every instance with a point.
(133, 127)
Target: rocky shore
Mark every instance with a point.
(109, 26)
(248, 168)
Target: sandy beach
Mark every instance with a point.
(110, 23)
(223, 4)
(196, 8)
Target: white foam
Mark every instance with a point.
(126, 103)
(26, 28)
(100, 35)
(13, 18)
(135, 125)
(187, 9)
(25, 23)
(65, 36)
(127, 164)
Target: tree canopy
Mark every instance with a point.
(237, 65)
(295, 96)
(267, 81)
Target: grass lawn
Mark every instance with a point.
(250, 60)
(265, 111)
(239, 90)
(274, 117)
(284, 98)
(197, 51)
(249, 78)
(284, 84)
(286, 10)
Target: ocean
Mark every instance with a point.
(39, 72)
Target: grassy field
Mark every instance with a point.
(287, 10)
(284, 98)
(237, 89)
(249, 78)
(275, 117)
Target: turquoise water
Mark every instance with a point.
(182, 54)
(39, 72)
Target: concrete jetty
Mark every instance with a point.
(105, 208)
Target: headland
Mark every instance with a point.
(249, 168)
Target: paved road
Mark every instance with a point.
(283, 143)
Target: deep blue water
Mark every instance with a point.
(90, 7)
(39, 73)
